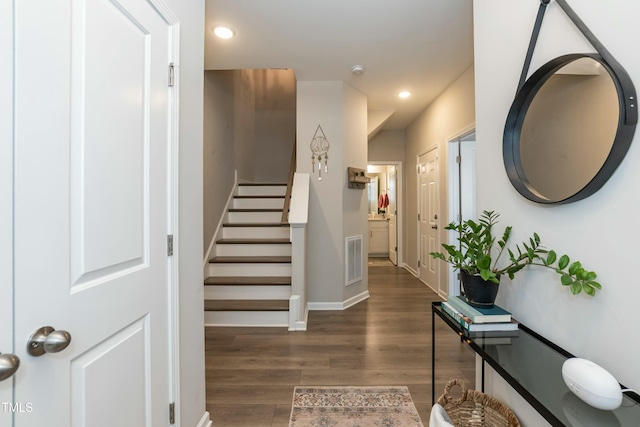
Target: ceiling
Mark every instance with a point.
(416, 45)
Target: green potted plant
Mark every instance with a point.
(479, 252)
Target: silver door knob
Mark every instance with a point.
(48, 340)
(9, 364)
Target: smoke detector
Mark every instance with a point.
(357, 69)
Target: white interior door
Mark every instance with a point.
(428, 217)
(392, 211)
(92, 110)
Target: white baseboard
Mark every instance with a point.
(356, 299)
(205, 421)
(337, 306)
(410, 270)
(301, 325)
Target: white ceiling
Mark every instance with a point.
(416, 45)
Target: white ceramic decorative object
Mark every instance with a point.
(592, 383)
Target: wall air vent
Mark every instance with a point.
(353, 259)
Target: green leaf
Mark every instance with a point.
(551, 257)
(536, 238)
(485, 274)
(576, 288)
(589, 290)
(594, 284)
(574, 267)
(484, 263)
(591, 275)
(564, 261)
(566, 280)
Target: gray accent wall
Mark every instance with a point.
(249, 127)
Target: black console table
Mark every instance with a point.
(532, 365)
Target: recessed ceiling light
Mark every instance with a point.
(404, 94)
(223, 32)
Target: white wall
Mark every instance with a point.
(191, 406)
(451, 114)
(599, 231)
(387, 145)
(354, 201)
(335, 211)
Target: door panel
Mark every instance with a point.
(429, 208)
(91, 203)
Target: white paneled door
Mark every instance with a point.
(92, 212)
(428, 217)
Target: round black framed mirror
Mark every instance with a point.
(568, 129)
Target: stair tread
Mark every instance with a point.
(255, 210)
(254, 224)
(250, 259)
(247, 280)
(249, 241)
(261, 184)
(246, 305)
(256, 196)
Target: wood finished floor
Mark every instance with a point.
(386, 340)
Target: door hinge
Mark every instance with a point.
(396, 249)
(170, 245)
(418, 263)
(171, 74)
(172, 413)
(458, 160)
(418, 216)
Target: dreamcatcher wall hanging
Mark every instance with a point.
(319, 150)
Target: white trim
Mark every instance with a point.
(294, 307)
(216, 234)
(7, 112)
(453, 185)
(205, 421)
(174, 205)
(337, 306)
(410, 270)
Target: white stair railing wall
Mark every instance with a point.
(298, 217)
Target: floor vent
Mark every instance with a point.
(353, 254)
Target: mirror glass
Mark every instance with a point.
(569, 129)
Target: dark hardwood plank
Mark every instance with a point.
(246, 305)
(386, 340)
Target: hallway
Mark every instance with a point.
(386, 340)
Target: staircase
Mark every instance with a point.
(249, 276)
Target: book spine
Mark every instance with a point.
(456, 315)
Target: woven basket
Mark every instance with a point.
(474, 408)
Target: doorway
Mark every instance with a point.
(461, 176)
(388, 176)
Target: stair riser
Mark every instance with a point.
(253, 250)
(258, 203)
(254, 217)
(255, 232)
(262, 190)
(233, 292)
(246, 318)
(266, 269)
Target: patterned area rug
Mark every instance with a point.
(353, 407)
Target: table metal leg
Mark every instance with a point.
(433, 358)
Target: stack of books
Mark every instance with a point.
(474, 319)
